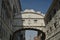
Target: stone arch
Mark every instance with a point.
(26, 27)
(43, 33)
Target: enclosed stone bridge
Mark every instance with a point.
(28, 20)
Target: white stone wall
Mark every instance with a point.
(30, 17)
(29, 20)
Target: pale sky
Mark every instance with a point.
(30, 34)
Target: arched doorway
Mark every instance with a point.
(28, 34)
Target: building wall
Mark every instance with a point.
(30, 19)
(6, 25)
(52, 21)
(6, 18)
(55, 6)
(53, 27)
(0, 19)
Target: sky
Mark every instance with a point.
(30, 34)
(37, 5)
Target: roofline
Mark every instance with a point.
(51, 6)
(32, 13)
(20, 5)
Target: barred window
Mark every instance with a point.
(47, 31)
(35, 21)
(50, 28)
(23, 20)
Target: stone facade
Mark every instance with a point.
(33, 19)
(53, 27)
(29, 19)
(52, 21)
(7, 12)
